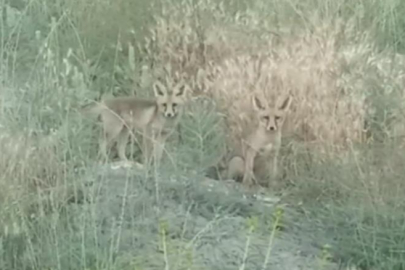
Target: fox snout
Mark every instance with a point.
(271, 125)
(168, 110)
(271, 128)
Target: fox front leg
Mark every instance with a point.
(249, 165)
(274, 168)
(147, 148)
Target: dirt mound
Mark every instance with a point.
(194, 222)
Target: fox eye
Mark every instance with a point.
(266, 118)
(278, 118)
(164, 105)
(174, 105)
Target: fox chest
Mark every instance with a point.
(263, 145)
(163, 124)
(263, 150)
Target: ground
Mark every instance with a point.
(206, 217)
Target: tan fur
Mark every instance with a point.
(154, 118)
(263, 141)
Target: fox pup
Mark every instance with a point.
(154, 118)
(264, 140)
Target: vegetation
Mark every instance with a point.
(342, 185)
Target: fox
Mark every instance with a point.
(265, 139)
(156, 119)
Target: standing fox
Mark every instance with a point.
(155, 118)
(263, 141)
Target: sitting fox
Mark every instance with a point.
(263, 141)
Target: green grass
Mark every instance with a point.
(353, 206)
(60, 210)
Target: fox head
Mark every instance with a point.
(271, 119)
(169, 103)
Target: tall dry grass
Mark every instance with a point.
(330, 71)
(340, 60)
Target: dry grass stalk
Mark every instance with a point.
(328, 70)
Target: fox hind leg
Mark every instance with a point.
(122, 141)
(112, 129)
(235, 168)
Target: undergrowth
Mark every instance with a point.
(61, 210)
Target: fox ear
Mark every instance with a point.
(180, 90)
(286, 104)
(159, 89)
(257, 104)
